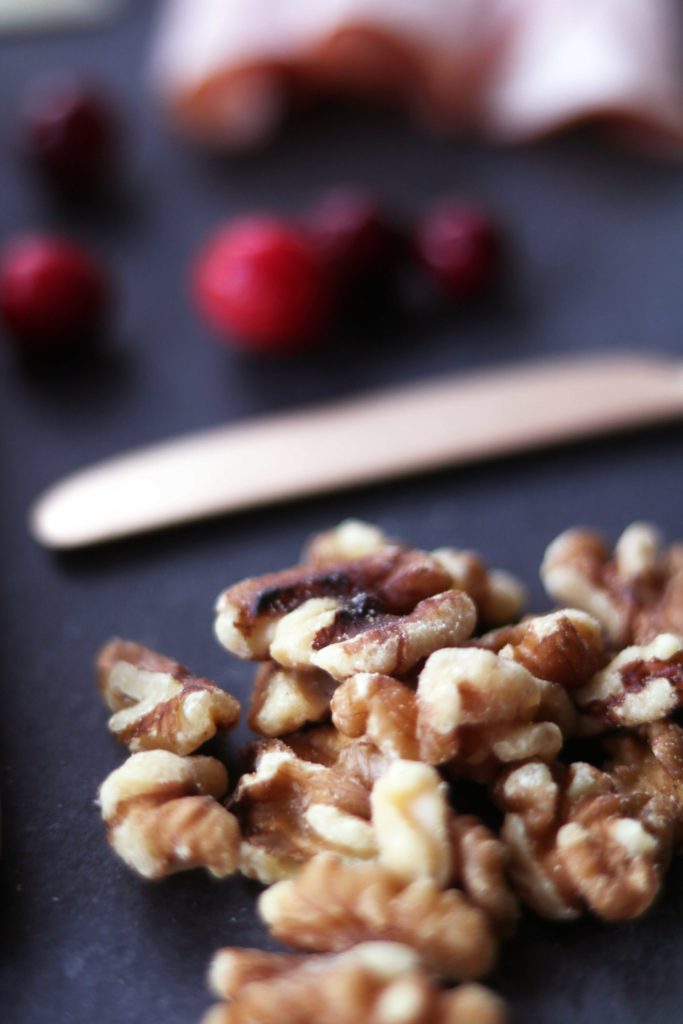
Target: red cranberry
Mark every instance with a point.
(262, 282)
(460, 247)
(69, 132)
(53, 294)
(356, 238)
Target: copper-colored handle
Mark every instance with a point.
(373, 437)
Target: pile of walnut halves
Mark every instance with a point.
(386, 677)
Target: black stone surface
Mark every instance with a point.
(596, 239)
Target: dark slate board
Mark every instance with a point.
(597, 238)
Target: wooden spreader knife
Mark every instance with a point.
(360, 440)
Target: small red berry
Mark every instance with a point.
(69, 132)
(355, 236)
(53, 294)
(460, 247)
(261, 281)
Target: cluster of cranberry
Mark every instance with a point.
(263, 283)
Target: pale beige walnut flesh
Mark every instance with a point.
(565, 647)
(574, 845)
(285, 699)
(157, 703)
(641, 685)
(635, 592)
(333, 905)
(373, 983)
(162, 815)
(478, 710)
(411, 815)
(290, 809)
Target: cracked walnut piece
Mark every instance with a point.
(640, 685)
(565, 647)
(478, 710)
(573, 843)
(285, 699)
(291, 809)
(157, 703)
(636, 593)
(392, 581)
(162, 815)
(332, 905)
(375, 982)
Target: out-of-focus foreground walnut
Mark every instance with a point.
(157, 703)
(478, 710)
(373, 983)
(162, 814)
(290, 809)
(566, 647)
(574, 845)
(641, 685)
(636, 592)
(332, 905)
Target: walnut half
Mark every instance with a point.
(157, 703)
(375, 982)
(162, 815)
